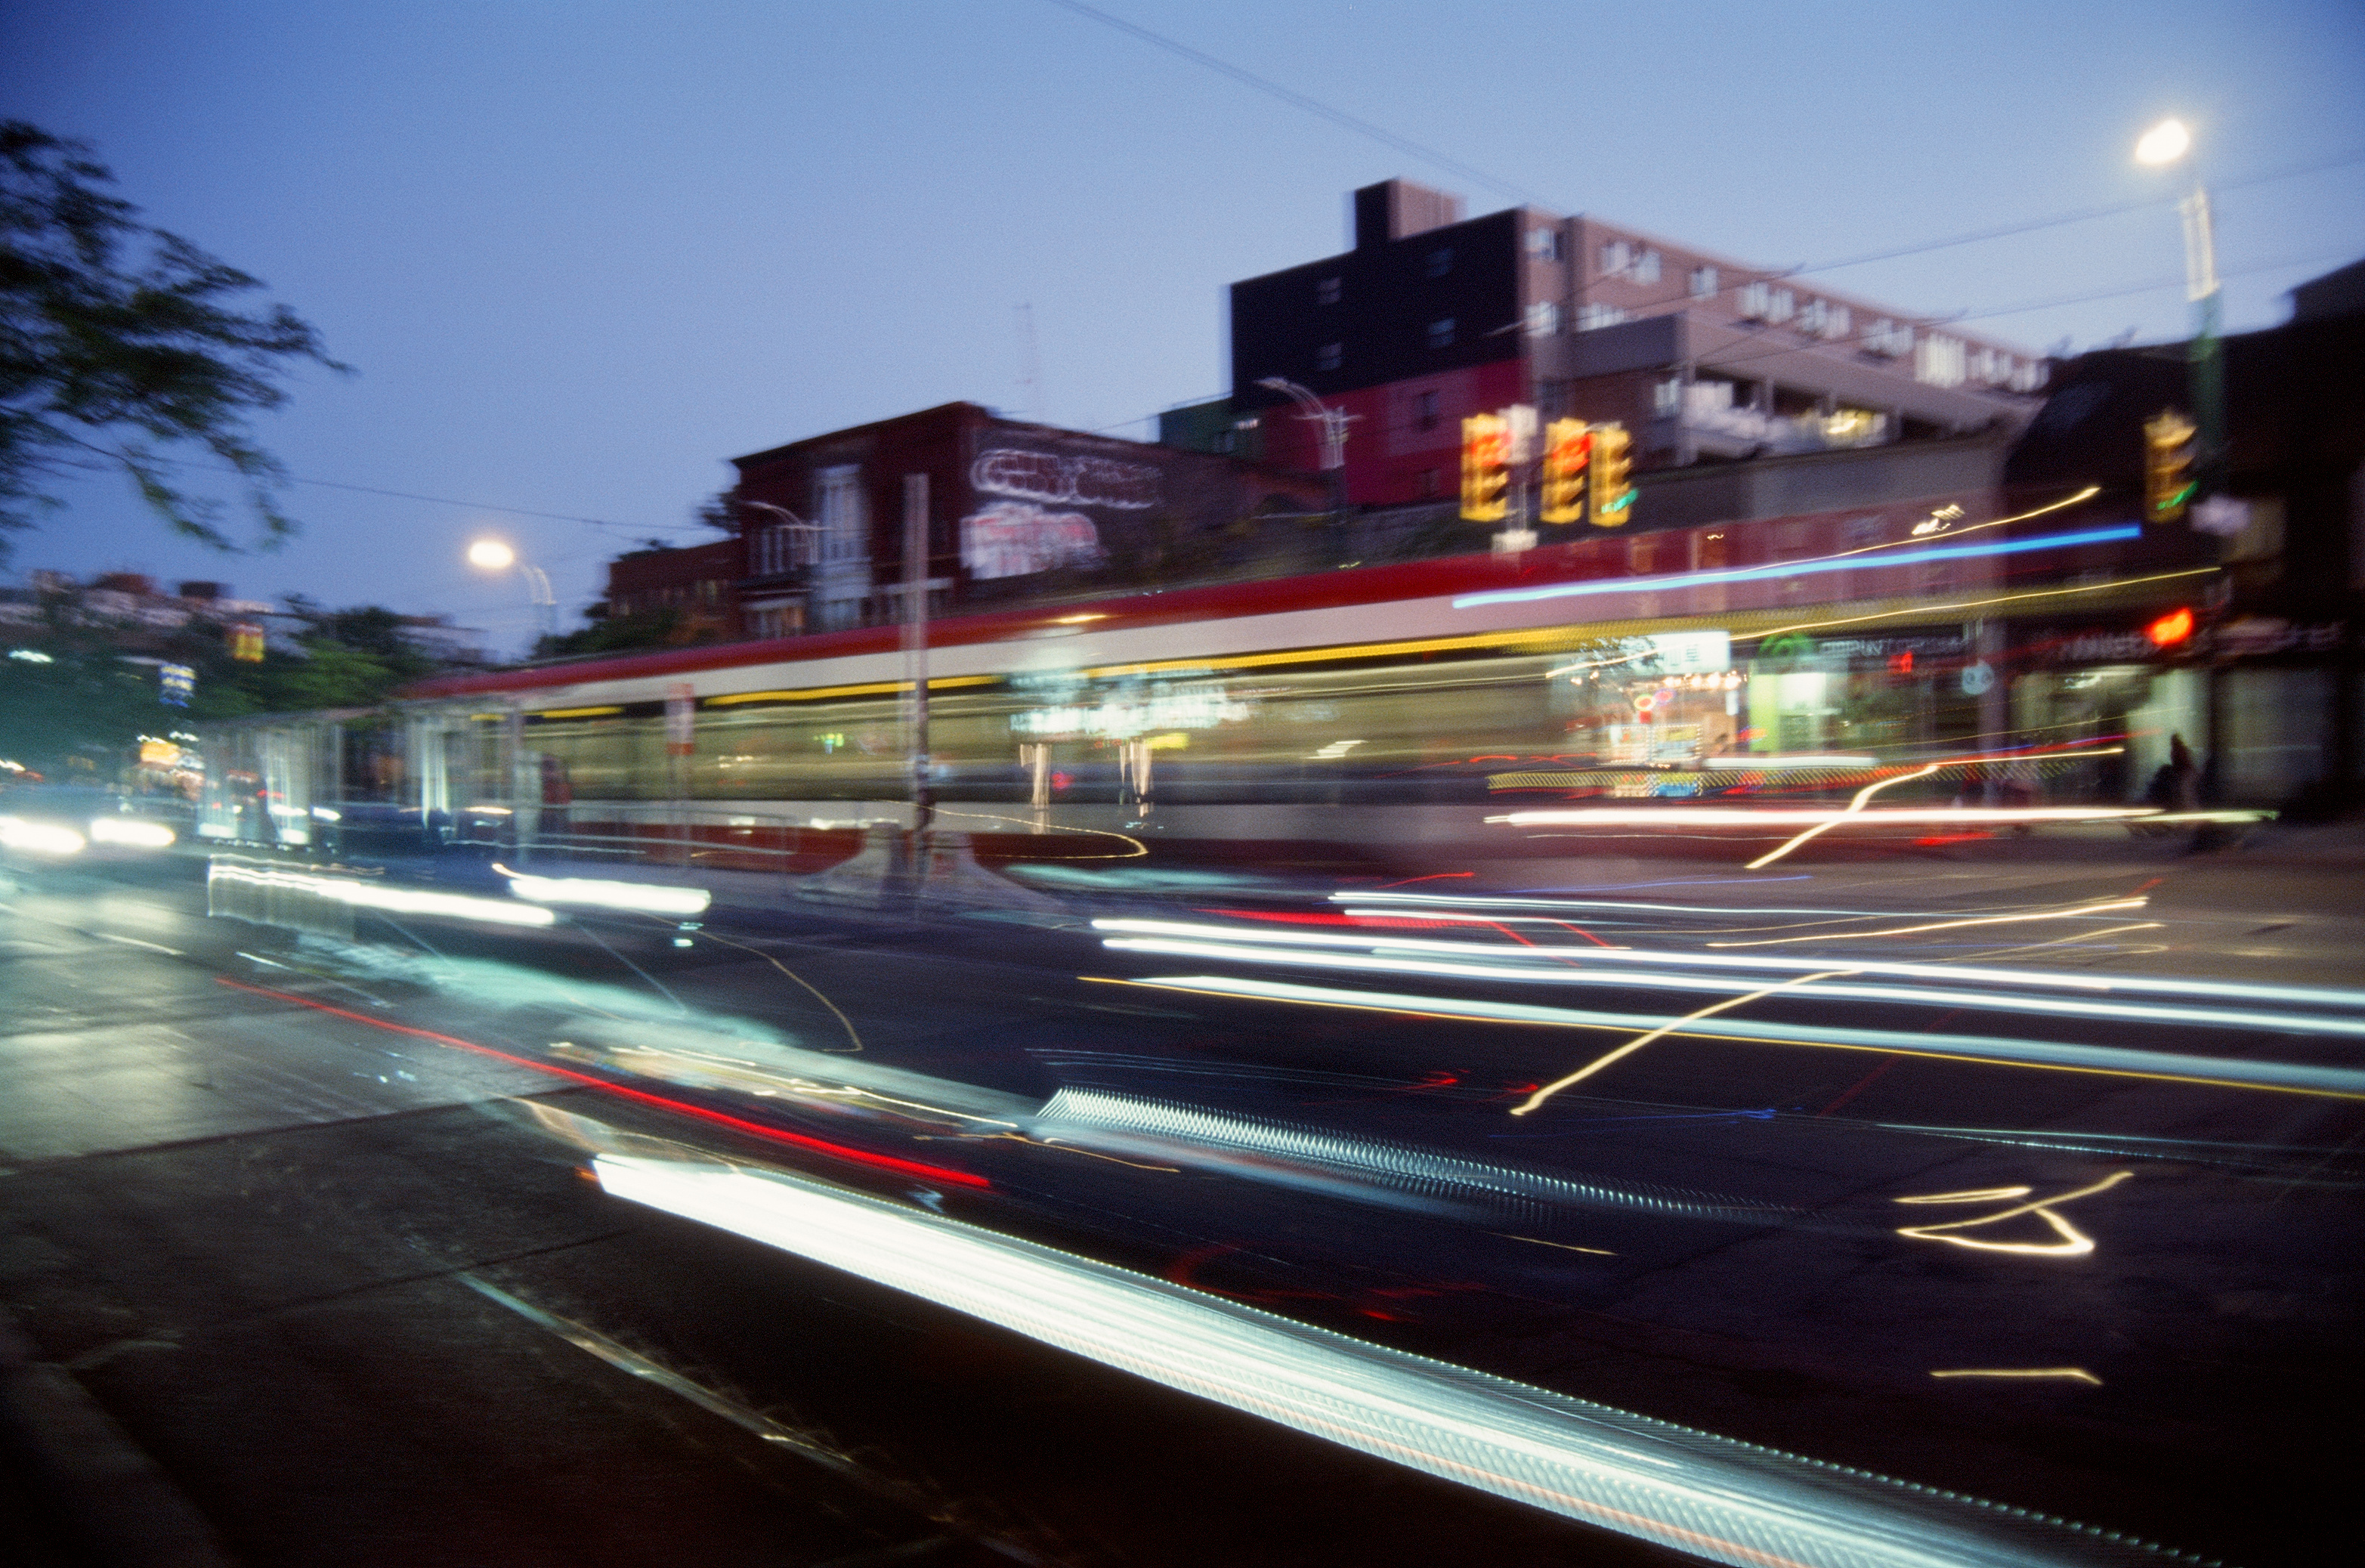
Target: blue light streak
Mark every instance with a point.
(1800, 569)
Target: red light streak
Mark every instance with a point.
(755, 1129)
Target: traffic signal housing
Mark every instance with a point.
(1486, 467)
(2169, 481)
(1613, 491)
(1567, 450)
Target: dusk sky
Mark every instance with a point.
(581, 255)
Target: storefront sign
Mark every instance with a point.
(1691, 653)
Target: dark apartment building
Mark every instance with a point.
(699, 583)
(1432, 315)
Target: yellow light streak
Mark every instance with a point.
(2074, 1243)
(1138, 849)
(2075, 1374)
(2070, 914)
(1566, 1247)
(865, 688)
(575, 712)
(1636, 1044)
(843, 1021)
(1925, 609)
(1854, 807)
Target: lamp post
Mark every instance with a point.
(2162, 145)
(489, 554)
(1334, 447)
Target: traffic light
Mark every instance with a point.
(2170, 628)
(1613, 493)
(1486, 467)
(1566, 452)
(2168, 481)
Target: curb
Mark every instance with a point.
(111, 1505)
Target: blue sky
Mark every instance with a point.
(582, 254)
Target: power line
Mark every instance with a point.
(2084, 215)
(1311, 105)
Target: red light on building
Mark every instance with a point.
(2169, 629)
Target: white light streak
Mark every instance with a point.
(2231, 1072)
(644, 898)
(130, 831)
(377, 895)
(40, 838)
(1703, 1494)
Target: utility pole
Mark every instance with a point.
(915, 663)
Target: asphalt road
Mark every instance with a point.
(311, 1220)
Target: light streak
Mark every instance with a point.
(1692, 1490)
(2075, 1374)
(852, 1034)
(1988, 1050)
(865, 688)
(40, 838)
(2070, 914)
(130, 831)
(376, 895)
(1854, 808)
(1670, 1026)
(1566, 1247)
(1784, 570)
(681, 1107)
(642, 898)
(1569, 966)
(1954, 973)
(1789, 816)
(2074, 1243)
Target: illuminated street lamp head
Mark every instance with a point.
(2164, 143)
(491, 556)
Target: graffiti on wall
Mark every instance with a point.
(1065, 481)
(1012, 539)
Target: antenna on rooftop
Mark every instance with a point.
(1030, 368)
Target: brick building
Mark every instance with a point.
(1432, 315)
(1017, 511)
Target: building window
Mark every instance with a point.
(1543, 244)
(1781, 305)
(1891, 338)
(1939, 361)
(1835, 321)
(1756, 299)
(1424, 409)
(1440, 261)
(845, 516)
(1441, 333)
(1704, 283)
(1591, 318)
(1646, 267)
(1329, 356)
(1543, 318)
(1325, 291)
(1617, 258)
(1667, 397)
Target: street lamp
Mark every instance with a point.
(489, 554)
(1334, 446)
(2164, 144)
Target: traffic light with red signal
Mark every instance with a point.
(1486, 467)
(1567, 452)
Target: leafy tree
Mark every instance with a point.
(615, 633)
(116, 341)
